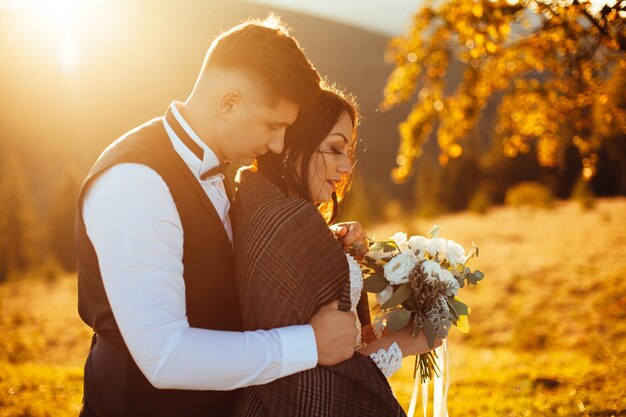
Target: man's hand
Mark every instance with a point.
(351, 234)
(335, 334)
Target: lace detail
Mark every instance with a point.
(389, 360)
(356, 286)
(356, 281)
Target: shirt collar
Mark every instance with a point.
(196, 165)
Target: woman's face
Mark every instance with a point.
(331, 161)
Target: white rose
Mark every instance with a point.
(455, 253)
(452, 285)
(418, 243)
(436, 245)
(397, 270)
(400, 239)
(384, 295)
(431, 268)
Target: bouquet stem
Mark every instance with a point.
(426, 363)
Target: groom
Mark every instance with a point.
(154, 239)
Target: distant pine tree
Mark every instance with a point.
(609, 113)
(61, 221)
(18, 226)
(428, 188)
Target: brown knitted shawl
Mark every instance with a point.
(288, 264)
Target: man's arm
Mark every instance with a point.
(133, 224)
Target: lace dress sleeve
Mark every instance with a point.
(388, 360)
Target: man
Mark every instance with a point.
(156, 274)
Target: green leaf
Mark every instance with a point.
(460, 308)
(398, 320)
(474, 277)
(410, 304)
(429, 332)
(377, 246)
(452, 311)
(388, 248)
(416, 326)
(398, 297)
(375, 283)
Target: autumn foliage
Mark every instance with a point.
(551, 66)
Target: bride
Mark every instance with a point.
(289, 263)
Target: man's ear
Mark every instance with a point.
(228, 101)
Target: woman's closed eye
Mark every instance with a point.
(339, 152)
(335, 151)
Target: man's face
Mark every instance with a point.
(258, 125)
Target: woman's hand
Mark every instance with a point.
(351, 235)
(408, 344)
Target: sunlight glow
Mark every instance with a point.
(68, 56)
(56, 22)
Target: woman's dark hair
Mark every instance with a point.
(289, 170)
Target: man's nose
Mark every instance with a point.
(277, 142)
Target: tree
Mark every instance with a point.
(439, 189)
(18, 230)
(609, 114)
(547, 61)
(61, 221)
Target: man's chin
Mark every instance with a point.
(245, 161)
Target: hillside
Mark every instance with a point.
(134, 58)
(548, 328)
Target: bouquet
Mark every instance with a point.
(416, 281)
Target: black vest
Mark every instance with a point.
(114, 385)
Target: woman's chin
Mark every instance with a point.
(323, 199)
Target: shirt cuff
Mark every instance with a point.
(299, 349)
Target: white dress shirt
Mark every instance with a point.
(133, 224)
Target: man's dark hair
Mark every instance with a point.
(264, 51)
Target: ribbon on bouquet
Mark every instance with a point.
(441, 384)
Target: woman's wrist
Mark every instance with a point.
(409, 345)
(382, 343)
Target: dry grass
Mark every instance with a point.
(548, 323)
(43, 346)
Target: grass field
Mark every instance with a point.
(548, 332)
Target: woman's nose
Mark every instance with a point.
(345, 166)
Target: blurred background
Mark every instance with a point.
(502, 121)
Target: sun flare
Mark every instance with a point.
(53, 22)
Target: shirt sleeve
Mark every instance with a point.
(133, 224)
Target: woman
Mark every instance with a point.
(289, 264)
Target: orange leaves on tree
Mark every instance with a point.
(546, 61)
